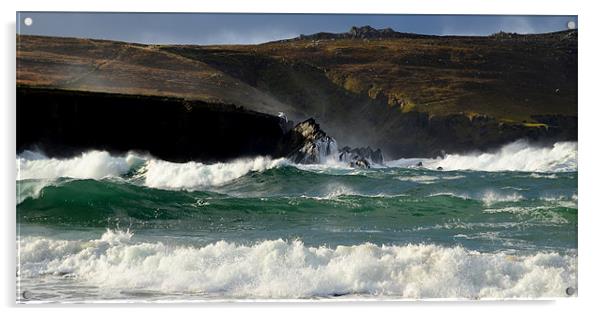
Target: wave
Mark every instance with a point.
(94, 203)
(290, 269)
(32, 189)
(193, 175)
(154, 172)
(89, 165)
(517, 156)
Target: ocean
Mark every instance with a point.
(103, 228)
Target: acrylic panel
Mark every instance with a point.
(203, 157)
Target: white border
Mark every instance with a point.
(590, 116)
(551, 7)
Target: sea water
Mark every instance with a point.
(134, 228)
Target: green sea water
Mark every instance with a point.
(142, 229)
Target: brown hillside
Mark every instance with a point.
(367, 86)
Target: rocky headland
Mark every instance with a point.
(410, 95)
(62, 123)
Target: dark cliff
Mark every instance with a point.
(64, 123)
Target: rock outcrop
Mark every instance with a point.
(308, 144)
(363, 155)
(361, 32)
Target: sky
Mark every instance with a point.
(228, 28)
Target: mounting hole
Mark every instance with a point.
(570, 291)
(28, 21)
(26, 295)
(571, 25)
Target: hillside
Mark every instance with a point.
(508, 76)
(410, 94)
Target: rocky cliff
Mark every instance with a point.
(63, 123)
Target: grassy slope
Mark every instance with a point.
(510, 78)
(117, 67)
(357, 89)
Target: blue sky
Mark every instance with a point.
(202, 28)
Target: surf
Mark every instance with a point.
(290, 269)
(516, 156)
(156, 173)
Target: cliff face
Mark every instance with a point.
(408, 94)
(65, 123)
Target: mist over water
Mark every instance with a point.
(132, 227)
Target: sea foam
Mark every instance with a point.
(516, 156)
(192, 175)
(154, 172)
(290, 269)
(89, 165)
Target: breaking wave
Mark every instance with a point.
(516, 156)
(191, 175)
(290, 269)
(155, 173)
(89, 165)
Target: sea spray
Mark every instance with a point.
(89, 165)
(191, 175)
(517, 156)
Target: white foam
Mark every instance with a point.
(425, 179)
(562, 201)
(491, 197)
(488, 197)
(335, 190)
(32, 189)
(420, 179)
(280, 269)
(89, 165)
(516, 156)
(457, 195)
(543, 175)
(329, 165)
(153, 172)
(193, 175)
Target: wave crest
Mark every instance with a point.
(517, 156)
(89, 165)
(191, 175)
(154, 172)
(281, 269)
